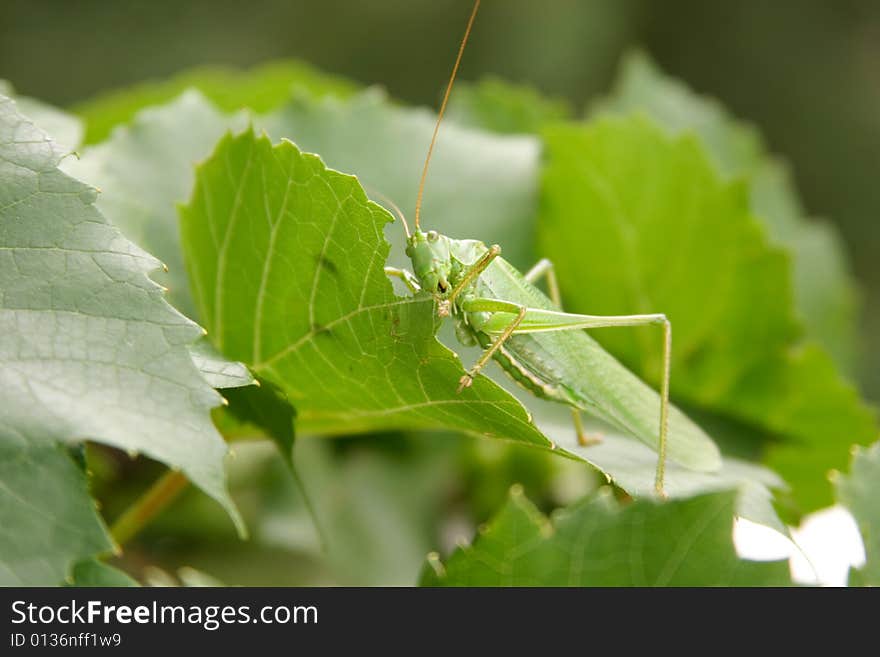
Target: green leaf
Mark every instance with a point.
(94, 573)
(66, 129)
(859, 491)
(91, 349)
(260, 89)
(825, 291)
(49, 519)
(286, 258)
(499, 106)
(599, 543)
(480, 185)
(638, 222)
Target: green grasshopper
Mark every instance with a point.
(540, 346)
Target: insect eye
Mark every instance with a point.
(433, 236)
(441, 287)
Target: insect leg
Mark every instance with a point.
(406, 276)
(544, 269)
(468, 378)
(475, 270)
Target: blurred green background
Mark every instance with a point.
(806, 72)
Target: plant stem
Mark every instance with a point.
(148, 506)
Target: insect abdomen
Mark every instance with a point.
(523, 376)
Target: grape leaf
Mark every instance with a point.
(260, 89)
(94, 573)
(480, 185)
(48, 518)
(496, 105)
(286, 259)
(636, 222)
(599, 543)
(824, 289)
(859, 491)
(91, 349)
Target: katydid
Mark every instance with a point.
(543, 348)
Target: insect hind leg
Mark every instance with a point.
(545, 269)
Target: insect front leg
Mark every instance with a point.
(473, 271)
(406, 276)
(544, 269)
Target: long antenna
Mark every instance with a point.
(385, 199)
(467, 33)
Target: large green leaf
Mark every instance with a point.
(638, 222)
(825, 292)
(259, 89)
(860, 492)
(286, 259)
(49, 520)
(480, 185)
(91, 349)
(598, 543)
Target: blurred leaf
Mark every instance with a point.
(48, 517)
(825, 292)
(94, 573)
(265, 406)
(599, 543)
(193, 578)
(381, 509)
(91, 349)
(66, 129)
(480, 185)
(859, 491)
(499, 106)
(287, 258)
(639, 222)
(259, 89)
